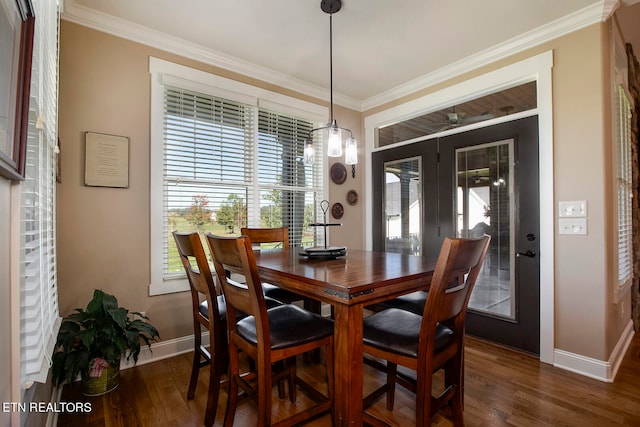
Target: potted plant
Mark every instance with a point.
(92, 341)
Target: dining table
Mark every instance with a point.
(349, 283)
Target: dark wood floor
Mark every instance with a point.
(502, 388)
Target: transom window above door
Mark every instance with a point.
(508, 101)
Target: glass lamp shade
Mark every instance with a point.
(351, 151)
(309, 154)
(334, 143)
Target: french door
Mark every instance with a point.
(466, 185)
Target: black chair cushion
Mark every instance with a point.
(280, 294)
(413, 302)
(289, 325)
(222, 307)
(397, 331)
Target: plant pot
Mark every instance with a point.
(102, 378)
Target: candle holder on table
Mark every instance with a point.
(324, 252)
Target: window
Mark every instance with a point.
(504, 102)
(625, 187)
(38, 275)
(224, 159)
(624, 175)
(284, 181)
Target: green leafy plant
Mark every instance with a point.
(102, 330)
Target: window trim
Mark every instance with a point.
(165, 72)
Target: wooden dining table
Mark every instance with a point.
(348, 283)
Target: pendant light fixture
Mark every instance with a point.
(333, 131)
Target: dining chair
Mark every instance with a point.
(208, 315)
(280, 236)
(432, 341)
(279, 334)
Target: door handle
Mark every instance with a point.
(529, 254)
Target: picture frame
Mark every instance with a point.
(106, 160)
(17, 23)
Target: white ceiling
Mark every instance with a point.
(382, 49)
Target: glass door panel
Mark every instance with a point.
(403, 206)
(485, 205)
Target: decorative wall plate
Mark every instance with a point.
(338, 173)
(352, 197)
(337, 210)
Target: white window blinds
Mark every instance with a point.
(625, 187)
(288, 187)
(207, 164)
(228, 165)
(39, 288)
(225, 154)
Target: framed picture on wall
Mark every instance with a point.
(106, 160)
(17, 22)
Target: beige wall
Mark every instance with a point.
(103, 233)
(351, 234)
(581, 139)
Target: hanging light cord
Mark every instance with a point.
(331, 68)
(332, 122)
(350, 148)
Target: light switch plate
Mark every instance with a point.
(575, 209)
(577, 226)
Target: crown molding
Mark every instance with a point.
(118, 27)
(597, 12)
(608, 8)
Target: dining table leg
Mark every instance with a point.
(348, 366)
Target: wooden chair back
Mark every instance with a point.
(201, 281)
(259, 236)
(267, 235)
(235, 254)
(457, 269)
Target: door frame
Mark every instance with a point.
(536, 68)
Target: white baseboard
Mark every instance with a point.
(593, 368)
(164, 350)
(589, 367)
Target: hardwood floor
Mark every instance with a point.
(502, 388)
